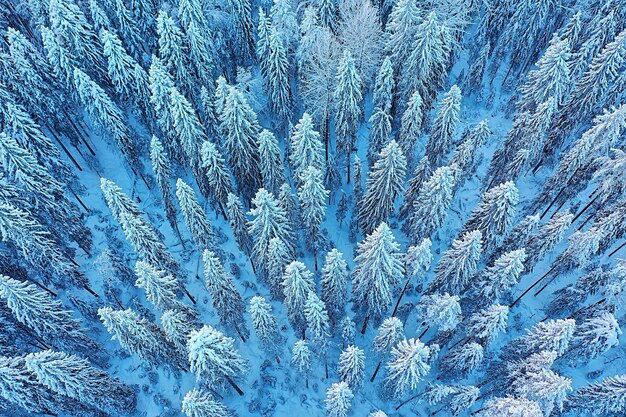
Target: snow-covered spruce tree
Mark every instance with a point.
(444, 126)
(171, 50)
(401, 30)
(60, 59)
(107, 115)
(424, 68)
(601, 398)
(389, 333)
(409, 364)
(138, 335)
(226, 299)
(351, 366)
(417, 261)
(301, 359)
(455, 398)
(411, 127)
(594, 336)
(285, 22)
(338, 400)
(269, 221)
(465, 156)
(306, 148)
(161, 83)
(474, 79)
(485, 325)
(380, 131)
(74, 377)
(549, 335)
(35, 244)
(217, 174)
(312, 195)
(421, 174)
(162, 171)
(510, 407)
(332, 179)
(546, 238)
(458, 264)
(177, 324)
(317, 323)
(348, 331)
(442, 311)
(270, 162)
(244, 27)
(547, 388)
(214, 359)
(462, 360)
(19, 387)
(278, 257)
(430, 206)
(378, 270)
(198, 403)
(128, 77)
(276, 77)
(37, 310)
(265, 326)
(188, 132)
(551, 78)
(239, 127)
(383, 185)
(334, 282)
(238, 223)
(297, 284)
(382, 95)
(501, 276)
(347, 101)
(517, 238)
(160, 287)
(198, 224)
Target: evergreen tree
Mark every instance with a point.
(264, 325)
(177, 324)
(431, 205)
(161, 84)
(199, 39)
(494, 214)
(383, 86)
(409, 363)
(488, 323)
(197, 403)
(162, 171)
(317, 322)
(264, 29)
(138, 335)
(465, 156)
(411, 127)
(301, 359)
(160, 287)
(500, 277)
(270, 162)
(217, 175)
(278, 257)
(306, 148)
(440, 310)
(20, 388)
(383, 186)
(238, 223)
(347, 100)
(297, 284)
(547, 388)
(458, 264)
(401, 30)
(242, 10)
(594, 337)
(546, 238)
(334, 284)
(348, 331)
(338, 400)
(107, 115)
(601, 398)
(37, 310)
(269, 221)
(226, 299)
(444, 126)
(172, 50)
(421, 173)
(312, 195)
(74, 377)
(201, 230)
(285, 22)
(276, 76)
(351, 367)
(378, 270)
(476, 71)
(549, 335)
(380, 122)
(239, 127)
(463, 359)
(510, 407)
(214, 359)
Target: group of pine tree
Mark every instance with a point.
(243, 121)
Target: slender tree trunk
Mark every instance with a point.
(376, 371)
(618, 248)
(364, 327)
(43, 287)
(518, 299)
(405, 402)
(585, 208)
(234, 385)
(243, 339)
(406, 285)
(277, 359)
(349, 165)
(188, 294)
(90, 291)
